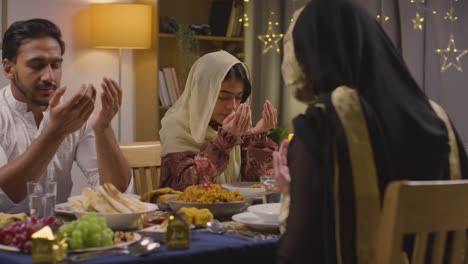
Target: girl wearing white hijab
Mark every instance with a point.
(207, 135)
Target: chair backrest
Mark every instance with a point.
(144, 158)
(437, 209)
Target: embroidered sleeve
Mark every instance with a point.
(182, 169)
(257, 156)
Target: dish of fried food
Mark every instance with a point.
(196, 216)
(160, 195)
(7, 219)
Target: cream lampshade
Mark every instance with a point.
(121, 26)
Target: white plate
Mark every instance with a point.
(268, 211)
(253, 221)
(136, 237)
(243, 187)
(123, 221)
(66, 208)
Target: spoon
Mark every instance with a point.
(215, 226)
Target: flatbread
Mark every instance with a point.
(102, 205)
(77, 204)
(129, 202)
(87, 199)
(114, 202)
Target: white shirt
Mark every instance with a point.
(18, 130)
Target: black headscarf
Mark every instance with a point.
(338, 43)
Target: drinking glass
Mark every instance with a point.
(41, 198)
(269, 183)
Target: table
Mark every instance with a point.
(204, 248)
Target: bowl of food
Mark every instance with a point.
(120, 211)
(268, 212)
(245, 188)
(220, 202)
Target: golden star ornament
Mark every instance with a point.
(418, 22)
(271, 39)
(449, 53)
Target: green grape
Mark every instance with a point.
(94, 228)
(101, 222)
(83, 227)
(88, 231)
(76, 234)
(107, 241)
(76, 243)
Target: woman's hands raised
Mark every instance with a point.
(238, 122)
(269, 119)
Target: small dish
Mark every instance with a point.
(244, 188)
(123, 221)
(136, 237)
(268, 212)
(251, 220)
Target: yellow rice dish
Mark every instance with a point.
(213, 193)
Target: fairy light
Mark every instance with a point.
(293, 8)
(451, 56)
(418, 20)
(244, 20)
(271, 39)
(449, 15)
(382, 18)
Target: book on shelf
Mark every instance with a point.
(163, 92)
(169, 89)
(234, 28)
(220, 14)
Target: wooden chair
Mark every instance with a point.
(145, 160)
(421, 208)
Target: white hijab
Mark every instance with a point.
(185, 125)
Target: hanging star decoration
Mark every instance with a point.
(382, 18)
(418, 22)
(449, 15)
(244, 20)
(271, 39)
(452, 52)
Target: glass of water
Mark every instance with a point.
(42, 198)
(269, 183)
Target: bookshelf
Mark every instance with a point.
(165, 53)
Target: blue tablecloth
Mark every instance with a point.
(204, 248)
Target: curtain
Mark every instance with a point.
(449, 88)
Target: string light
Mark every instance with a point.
(417, 22)
(449, 15)
(418, 19)
(271, 39)
(451, 56)
(245, 18)
(293, 9)
(451, 52)
(381, 17)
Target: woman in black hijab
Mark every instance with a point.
(368, 123)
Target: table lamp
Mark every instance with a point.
(121, 26)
